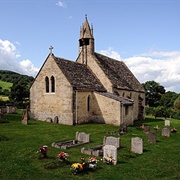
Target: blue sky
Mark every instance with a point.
(145, 34)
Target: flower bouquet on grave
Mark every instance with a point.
(62, 156)
(43, 151)
(108, 159)
(174, 130)
(92, 163)
(76, 168)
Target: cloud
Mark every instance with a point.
(159, 66)
(61, 4)
(8, 60)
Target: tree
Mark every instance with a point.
(177, 104)
(167, 99)
(153, 93)
(19, 92)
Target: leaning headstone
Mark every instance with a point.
(110, 152)
(111, 141)
(167, 122)
(166, 132)
(56, 120)
(24, 119)
(82, 137)
(152, 137)
(146, 129)
(137, 145)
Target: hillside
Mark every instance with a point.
(13, 77)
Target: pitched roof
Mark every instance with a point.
(124, 101)
(79, 75)
(118, 73)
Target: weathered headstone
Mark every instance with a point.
(146, 129)
(48, 119)
(110, 151)
(56, 120)
(152, 137)
(110, 140)
(82, 137)
(137, 145)
(166, 132)
(167, 122)
(25, 116)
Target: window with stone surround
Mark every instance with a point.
(47, 84)
(52, 84)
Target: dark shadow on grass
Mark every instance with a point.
(57, 164)
(145, 150)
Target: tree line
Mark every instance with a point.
(160, 103)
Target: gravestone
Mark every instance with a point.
(56, 120)
(167, 122)
(48, 119)
(152, 137)
(137, 145)
(24, 119)
(110, 151)
(166, 132)
(110, 140)
(1, 116)
(146, 129)
(82, 137)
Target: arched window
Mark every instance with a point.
(47, 84)
(52, 84)
(88, 103)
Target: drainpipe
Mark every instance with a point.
(122, 120)
(76, 106)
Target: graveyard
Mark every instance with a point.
(141, 153)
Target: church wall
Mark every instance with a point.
(135, 97)
(53, 104)
(108, 110)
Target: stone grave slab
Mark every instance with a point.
(146, 129)
(110, 140)
(137, 145)
(167, 122)
(98, 150)
(152, 137)
(81, 138)
(110, 151)
(166, 132)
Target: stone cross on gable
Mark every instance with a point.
(51, 48)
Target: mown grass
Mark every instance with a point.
(19, 143)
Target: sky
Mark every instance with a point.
(145, 34)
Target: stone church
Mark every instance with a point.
(94, 88)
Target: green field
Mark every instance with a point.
(19, 160)
(5, 85)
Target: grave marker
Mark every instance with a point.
(137, 145)
(166, 132)
(110, 151)
(111, 141)
(152, 137)
(167, 122)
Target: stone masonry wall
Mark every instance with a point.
(49, 105)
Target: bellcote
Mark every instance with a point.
(86, 41)
(86, 31)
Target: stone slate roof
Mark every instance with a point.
(124, 101)
(79, 76)
(118, 73)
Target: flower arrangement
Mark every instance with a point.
(174, 130)
(92, 162)
(76, 167)
(43, 151)
(108, 159)
(62, 156)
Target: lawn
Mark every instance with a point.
(19, 160)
